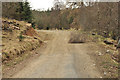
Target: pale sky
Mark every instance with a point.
(41, 4)
(46, 4)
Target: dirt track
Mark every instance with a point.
(61, 60)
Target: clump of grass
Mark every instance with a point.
(21, 37)
(5, 53)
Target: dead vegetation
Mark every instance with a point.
(18, 37)
(105, 55)
(78, 37)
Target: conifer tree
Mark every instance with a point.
(27, 12)
(20, 11)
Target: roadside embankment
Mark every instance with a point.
(105, 55)
(18, 37)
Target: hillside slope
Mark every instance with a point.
(17, 38)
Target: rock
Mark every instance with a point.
(15, 27)
(99, 53)
(3, 20)
(36, 53)
(93, 34)
(100, 77)
(10, 22)
(2, 45)
(0, 54)
(105, 73)
(16, 24)
(15, 63)
(35, 38)
(28, 24)
(108, 42)
(108, 51)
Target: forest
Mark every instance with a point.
(100, 18)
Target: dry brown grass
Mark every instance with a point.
(79, 37)
(12, 46)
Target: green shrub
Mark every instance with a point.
(21, 37)
(33, 25)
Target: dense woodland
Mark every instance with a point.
(100, 18)
(17, 10)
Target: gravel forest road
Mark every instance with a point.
(61, 59)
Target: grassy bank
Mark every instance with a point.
(105, 55)
(18, 38)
